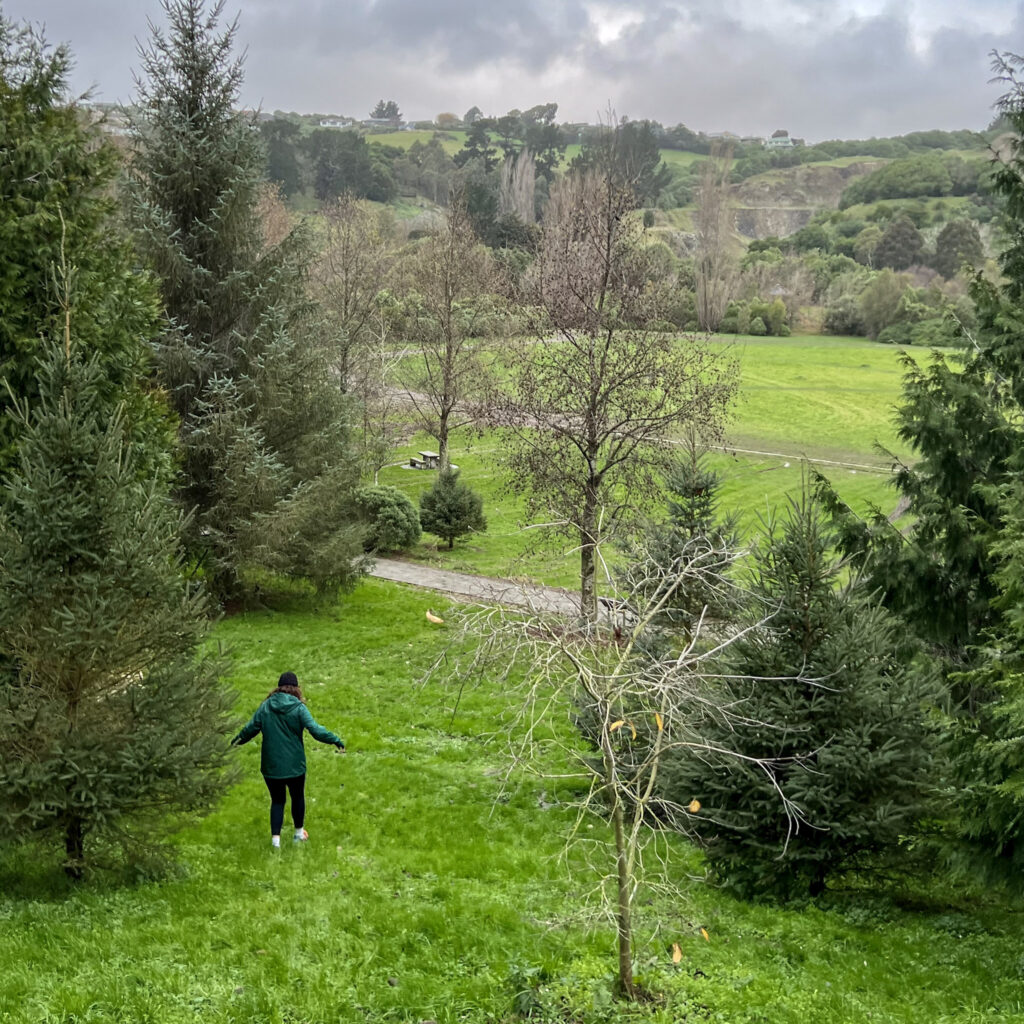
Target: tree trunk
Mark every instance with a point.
(451, 543)
(442, 442)
(588, 561)
(74, 848)
(623, 917)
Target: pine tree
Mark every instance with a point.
(951, 577)
(54, 207)
(684, 561)
(820, 680)
(451, 508)
(244, 358)
(109, 718)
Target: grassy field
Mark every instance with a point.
(826, 400)
(427, 892)
(452, 142)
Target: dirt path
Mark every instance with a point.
(485, 589)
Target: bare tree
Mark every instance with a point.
(354, 265)
(635, 708)
(715, 262)
(518, 181)
(384, 423)
(448, 278)
(593, 398)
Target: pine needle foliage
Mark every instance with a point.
(55, 208)
(109, 718)
(245, 358)
(954, 577)
(827, 713)
(451, 509)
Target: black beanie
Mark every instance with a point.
(287, 679)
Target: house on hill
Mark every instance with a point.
(780, 140)
(336, 122)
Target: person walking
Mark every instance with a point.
(281, 718)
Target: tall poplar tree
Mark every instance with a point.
(244, 357)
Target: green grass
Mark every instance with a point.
(828, 400)
(451, 142)
(425, 893)
(948, 206)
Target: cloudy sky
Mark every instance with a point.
(818, 68)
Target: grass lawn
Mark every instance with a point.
(451, 142)
(824, 399)
(428, 894)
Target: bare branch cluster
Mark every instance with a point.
(605, 704)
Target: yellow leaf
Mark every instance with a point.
(693, 806)
(661, 724)
(616, 725)
(677, 953)
(704, 932)
(632, 729)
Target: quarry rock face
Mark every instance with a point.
(781, 202)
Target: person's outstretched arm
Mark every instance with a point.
(317, 731)
(248, 731)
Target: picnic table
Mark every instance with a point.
(428, 460)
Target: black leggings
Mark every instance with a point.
(296, 787)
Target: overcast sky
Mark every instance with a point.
(818, 68)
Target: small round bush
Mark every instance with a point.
(392, 522)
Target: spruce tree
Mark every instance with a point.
(951, 576)
(830, 718)
(451, 508)
(55, 208)
(244, 357)
(109, 719)
(683, 562)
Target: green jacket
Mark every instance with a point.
(281, 718)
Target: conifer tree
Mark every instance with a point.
(821, 693)
(244, 357)
(109, 719)
(953, 576)
(451, 508)
(692, 549)
(55, 204)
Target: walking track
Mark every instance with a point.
(483, 589)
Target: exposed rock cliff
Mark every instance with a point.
(782, 202)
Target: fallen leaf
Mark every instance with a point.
(693, 806)
(632, 729)
(704, 932)
(616, 725)
(677, 953)
(661, 724)
(436, 619)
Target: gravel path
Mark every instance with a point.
(485, 589)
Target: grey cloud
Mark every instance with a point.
(805, 65)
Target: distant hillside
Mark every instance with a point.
(779, 203)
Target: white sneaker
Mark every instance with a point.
(301, 837)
